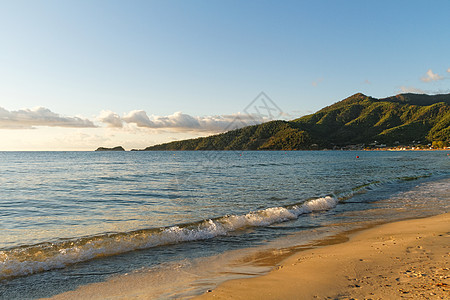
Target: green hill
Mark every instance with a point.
(118, 148)
(355, 120)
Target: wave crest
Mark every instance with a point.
(28, 260)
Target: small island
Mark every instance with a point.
(118, 148)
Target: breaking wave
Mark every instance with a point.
(30, 259)
(26, 260)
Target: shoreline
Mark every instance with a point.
(407, 258)
(281, 150)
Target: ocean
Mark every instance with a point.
(187, 220)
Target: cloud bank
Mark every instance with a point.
(177, 122)
(40, 116)
(180, 121)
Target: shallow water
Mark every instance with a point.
(72, 218)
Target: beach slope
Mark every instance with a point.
(403, 259)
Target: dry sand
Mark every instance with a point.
(407, 259)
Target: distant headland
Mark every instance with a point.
(118, 148)
(404, 121)
(401, 122)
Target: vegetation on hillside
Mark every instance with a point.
(358, 119)
(118, 148)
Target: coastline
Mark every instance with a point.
(388, 261)
(369, 195)
(402, 259)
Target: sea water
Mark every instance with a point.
(72, 218)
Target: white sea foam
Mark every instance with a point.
(37, 258)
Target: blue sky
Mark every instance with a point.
(135, 73)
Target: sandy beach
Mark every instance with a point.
(407, 259)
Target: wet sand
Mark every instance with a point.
(407, 259)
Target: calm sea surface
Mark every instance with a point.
(72, 218)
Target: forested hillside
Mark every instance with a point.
(358, 119)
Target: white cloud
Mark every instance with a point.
(410, 89)
(140, 118)
(111, 119)
(181, 122)
(448, 70)
(177, 120)
(40, 116)
(430, 76)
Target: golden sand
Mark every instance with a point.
(407, 259)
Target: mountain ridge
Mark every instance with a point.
(358, 119)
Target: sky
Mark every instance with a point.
(77, 75)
